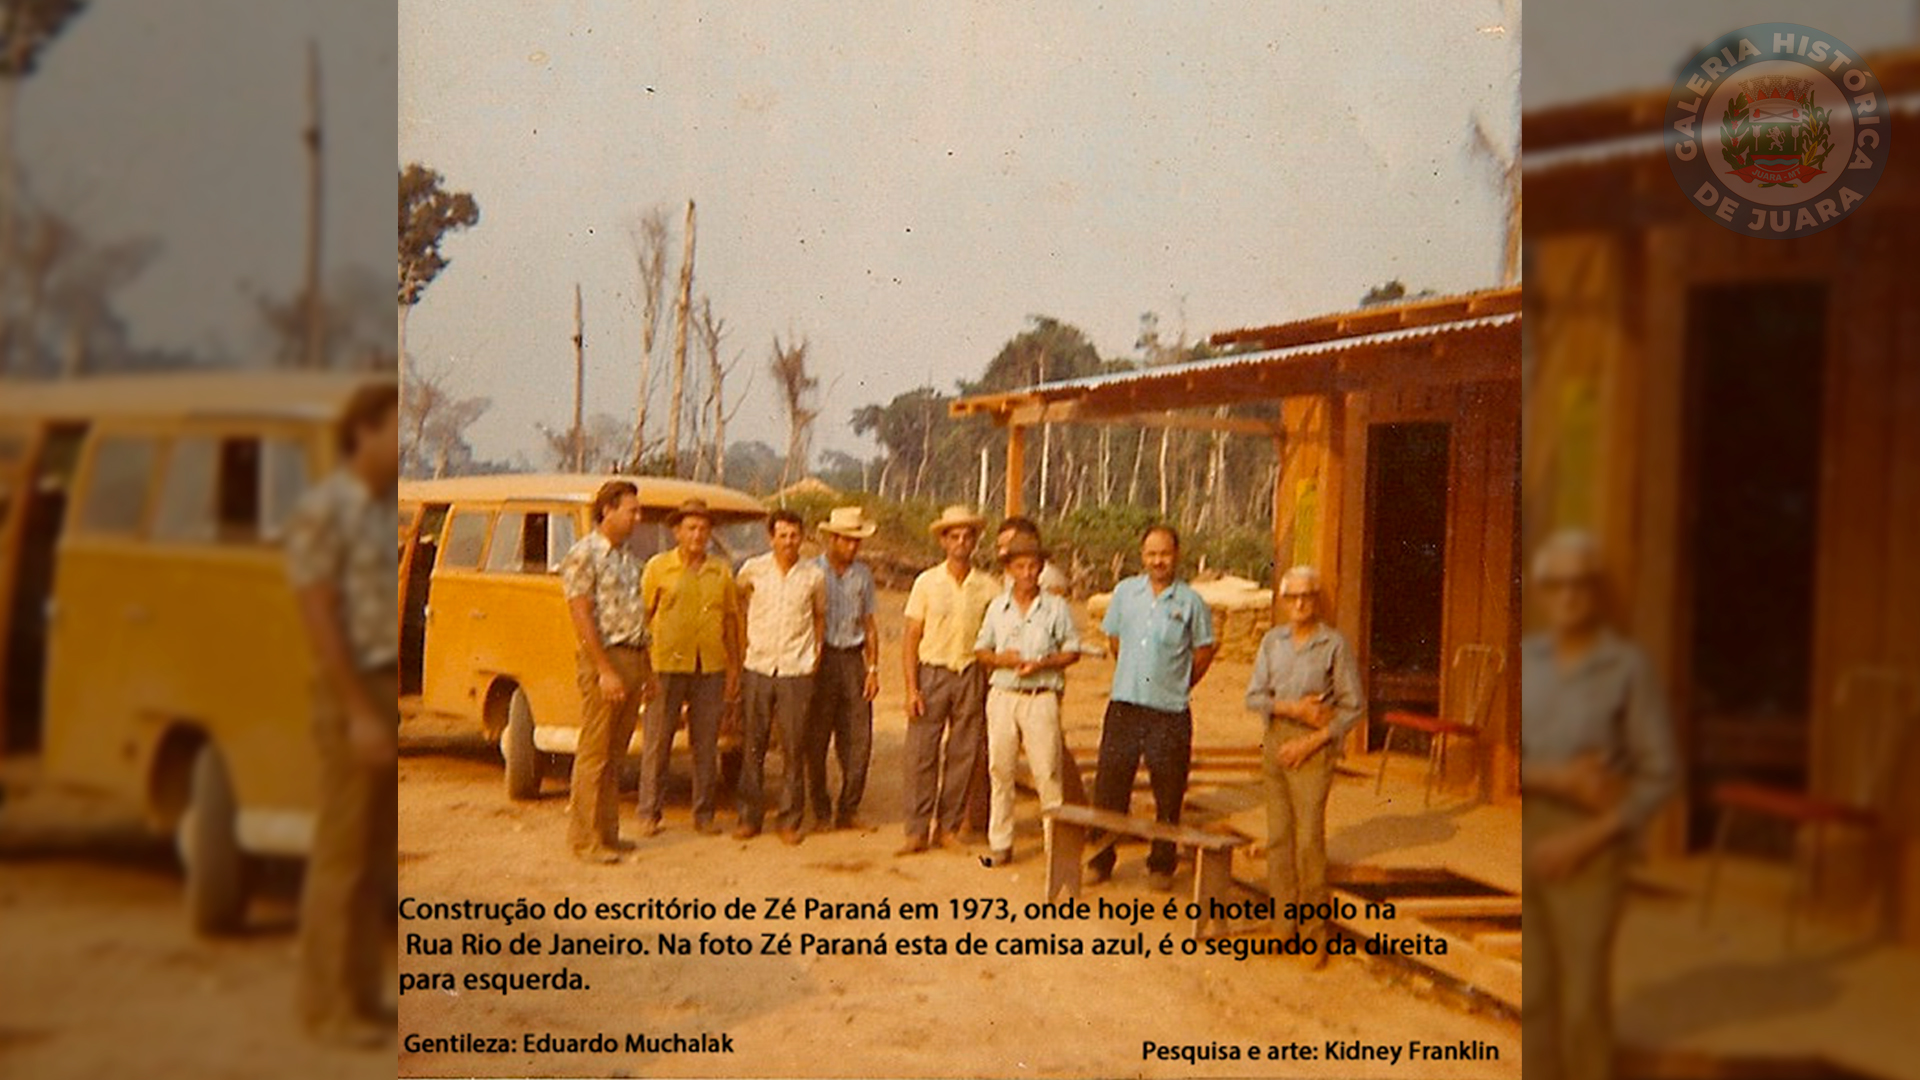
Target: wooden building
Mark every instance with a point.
(1397, 435)
(1738, 420)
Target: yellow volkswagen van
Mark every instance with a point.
(484, 631)
(153, 650)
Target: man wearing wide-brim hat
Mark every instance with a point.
(945, 695)
(1026, 643)
(698, 643)
(848, 677)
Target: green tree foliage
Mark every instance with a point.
(428, 212)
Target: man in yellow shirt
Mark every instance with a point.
(945, 696)
(693, 614)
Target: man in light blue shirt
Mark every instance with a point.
(1026, 643)
(1306, 690)
(848, 677)
(1161, 636)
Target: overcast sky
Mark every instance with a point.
(180, 120)
(1582, 50)
(904, 184)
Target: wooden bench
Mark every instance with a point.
(1067, 827)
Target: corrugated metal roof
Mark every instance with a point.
(1067, 387)
(1644, 145)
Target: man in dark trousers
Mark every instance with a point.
(1160, 634)
(848, 678)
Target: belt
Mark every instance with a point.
(634, 646)
(1026, 690)
(858, 647)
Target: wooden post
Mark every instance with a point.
(1016, 468)
(316, 344)
(579, 385)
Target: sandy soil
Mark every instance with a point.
(892, 1015)
(100, 975)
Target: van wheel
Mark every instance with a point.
(216, 868)
(516, 747)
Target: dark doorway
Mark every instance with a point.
(43, 506)
(417, 588)
(1406, 566)
(1755, 357)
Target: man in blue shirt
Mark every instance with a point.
(849, 673)
(1160, 634)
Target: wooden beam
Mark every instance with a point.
(1496, 976)
(1457, 907)
(1080, 412)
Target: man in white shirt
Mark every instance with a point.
(786, 612)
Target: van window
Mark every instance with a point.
(283, 479)
(649, 538)
(232, 490)
(560, 540)
(466, 536)
(529, 542)
(118, 490)
(185, 512)
(507, 552)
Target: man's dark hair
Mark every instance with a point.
(366, 410)
(1017, 523)
(609, 496)
(1173, 534)
(784, 514)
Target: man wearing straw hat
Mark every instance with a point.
(944, 692)
(693, 611)
(848, 677)
(1026, 644)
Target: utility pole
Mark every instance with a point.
(579, 385)
(314, 357)
(681, 316)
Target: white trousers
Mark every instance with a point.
(1012, 719)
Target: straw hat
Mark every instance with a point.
(690, 508)
(954, 517)
(849, 521)
(1023, 545)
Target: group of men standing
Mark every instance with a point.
(792, 644)
(787, 644)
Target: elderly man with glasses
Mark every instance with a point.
(1596, 762)
(1306, 686)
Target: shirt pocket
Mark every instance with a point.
(1169, 627)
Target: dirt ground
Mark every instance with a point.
(100, 975)
(892, 1015)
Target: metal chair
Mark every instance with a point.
(1873, 707)
(1475, 679)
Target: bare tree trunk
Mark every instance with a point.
(579, 384)
(1106, 463)
(982, 501)
(885, 470)
(926, 448)
(1133, 479)
(1164, 433)
(316, 344)
(681, 315)
(650, 264)
(1210, 509)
